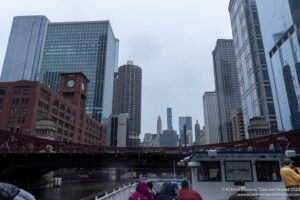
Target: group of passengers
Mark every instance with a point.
(169, 191)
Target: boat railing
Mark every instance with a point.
(117, 193)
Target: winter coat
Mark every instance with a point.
(8, 192)
(168, 193)
(141, 193)
(188, 194)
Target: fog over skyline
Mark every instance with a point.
(171, 40)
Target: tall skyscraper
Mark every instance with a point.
(211, 118)
(280, 25)
(197, 132)
(227, 87)
(88, 47)
(159, 126)
(254, 82)
(169, 118)
(129, 99)
(187, 122)
(24, 49)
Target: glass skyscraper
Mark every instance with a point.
(227, 86)
(280, 27)
(169, 118)
(187, 121)
(253, 76)
(211, 118)
(88, 47)
(24, 49)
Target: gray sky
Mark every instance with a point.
(171, 40)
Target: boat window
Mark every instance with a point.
(238, 170)
(209, 171)
(268, 171)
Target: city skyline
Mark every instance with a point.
(153, 51)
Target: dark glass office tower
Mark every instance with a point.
(292, 97)
(254, 81)
(24, 49)
(88, 47)
(227, 87)
(280, 29)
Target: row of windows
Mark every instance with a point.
(19, 91)
(45, 95)
(18, 110)
(62, 115)
(267, 171)
(19, 120)
(42, 114)
(62, 107)
(22, 101)
(43, 105)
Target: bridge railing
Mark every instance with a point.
(12, 143)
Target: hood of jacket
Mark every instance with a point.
(169, 190)
(142, 188)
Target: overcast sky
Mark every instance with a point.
(171, 40)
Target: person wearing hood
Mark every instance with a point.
(142, 192)
(168, 193)
(11, 192)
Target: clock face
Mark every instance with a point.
(70, 83)
(82, 86)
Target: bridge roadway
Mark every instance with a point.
(27, 155)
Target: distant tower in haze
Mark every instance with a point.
(188, 138)
(169, 118)
(197, 132)
(159, 126)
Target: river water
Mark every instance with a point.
(71, 191)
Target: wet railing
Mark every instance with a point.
(120, 192)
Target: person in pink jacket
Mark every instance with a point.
(142, 192)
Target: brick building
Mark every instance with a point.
(25, 105)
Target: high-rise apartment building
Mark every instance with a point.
(87, 47)
(129, 99)
(227, 87)
(188, 138)
(169, 118)
(211, 118)
(24, 50)
(280, 27)
(254, 82)
(238, 129)
(159, 126)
